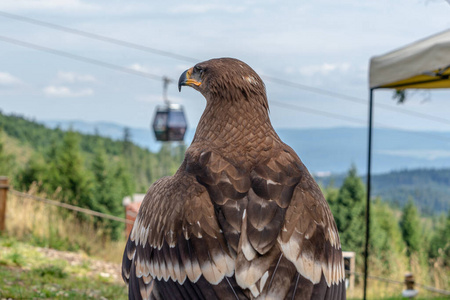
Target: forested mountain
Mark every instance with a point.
(428, 188)
(144, 165)
(81, 169)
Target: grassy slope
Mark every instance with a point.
(26, 272)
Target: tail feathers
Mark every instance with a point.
(282, 282)
(304, 289)
(201, 290)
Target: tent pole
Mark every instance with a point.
(369, 164)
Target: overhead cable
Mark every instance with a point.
(81, 58)
(194, 60)
(158, 77)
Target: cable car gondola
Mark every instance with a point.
(169, 123)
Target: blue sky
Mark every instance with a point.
(322, 44)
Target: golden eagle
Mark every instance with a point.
(242, 218)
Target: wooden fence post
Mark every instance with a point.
(349, 266)
(4, 186)
(410, 292)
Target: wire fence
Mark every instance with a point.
(378, 278)
(71, 207)
(126, 221)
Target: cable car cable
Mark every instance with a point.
(144, 74)
(99, 37)
(157, 77)
(194, 60)
(81, 58)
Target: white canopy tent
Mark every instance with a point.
(424, 64)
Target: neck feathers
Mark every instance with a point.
(239, 129)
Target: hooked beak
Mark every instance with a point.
(187, 79)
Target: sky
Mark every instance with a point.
(320, 44)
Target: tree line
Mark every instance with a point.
(396, 235)
(429, 188)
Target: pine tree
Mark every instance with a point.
(410, 226)
(331, 195)
(127, 143)
(385, 236)
(125, 182)
(107, 196)
(350, 213)
(67, 172)
(165, 160)
(440, 242)
(34, 171)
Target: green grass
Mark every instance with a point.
(50, 271)
(18, 283)
(26, 273)
(26, 284)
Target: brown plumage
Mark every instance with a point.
(242, 218)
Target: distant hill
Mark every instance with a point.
(30, 141)
(429, 188)
(330, 150)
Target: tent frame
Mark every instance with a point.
(368, 186)
(436, 76)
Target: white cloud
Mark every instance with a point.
(71, 77)
(7, 79)
(324, 69)
(65, 92)
(138, 67)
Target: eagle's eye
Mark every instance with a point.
(199, 70)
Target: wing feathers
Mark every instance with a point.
(309, 239)
(189, 260)
(128, 255)
(270, 227)
(263, 239)
(261, 211)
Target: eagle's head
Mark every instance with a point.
(224, 79)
